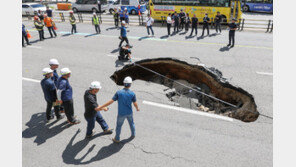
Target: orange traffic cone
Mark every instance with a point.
(28, 35)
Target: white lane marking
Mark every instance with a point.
(36, 47)
(31, 80)
(133, 58)
(264, 73)
(188, 111)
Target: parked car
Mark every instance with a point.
(131, 5)
(89, 5)
(31, 8)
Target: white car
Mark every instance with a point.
(32, 7)
(89, 5)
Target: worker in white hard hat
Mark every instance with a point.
(123, 34)
(92, 114)
(125, 98)
(96, 23)
(50, 94)
(65, 93)
(54, 64)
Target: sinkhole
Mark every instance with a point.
(193, 86)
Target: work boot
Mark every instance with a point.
(89, 136)
(228, 45)
(50, 118)
(76, 121)
(232, 46)
(115, 141)
(108, 131)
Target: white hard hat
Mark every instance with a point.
(94, 13)
(127, 80)
(125, 8)
(95, 85)
(53, 62)
(46, 71)
(65, 71)
(123, 22)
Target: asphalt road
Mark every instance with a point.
(164, 137)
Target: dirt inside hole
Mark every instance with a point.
(207, 80)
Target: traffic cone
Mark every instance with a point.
(28, 34)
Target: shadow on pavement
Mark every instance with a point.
(89, 35)
(188, 37)
(38, 128)
(212, 35)
(35, 41)
(200, 37)
(111, 28)
(164, 37)
(183, 33)
(225, 48)
(119, 63)
(72, 150)
(145, 37)
(65, 35)
(115, 50)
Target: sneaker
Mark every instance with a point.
(232, 46)
(115, 141)
(76, 121)
(228, 45)
(89, 136)
(51, 117)
(108, 131)
(132, 137)
(60, 117)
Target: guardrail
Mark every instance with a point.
(139, 20)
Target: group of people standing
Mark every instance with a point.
(58, 94)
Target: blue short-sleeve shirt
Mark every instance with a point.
(125, 98)
(65, 87)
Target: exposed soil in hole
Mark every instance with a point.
(207, 80)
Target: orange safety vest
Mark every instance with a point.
(48, 22)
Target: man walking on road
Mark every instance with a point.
(65, 95)
(232, 28)
(73, 22)
(116, 17)
(54, 64)
(194, 23)
(92, 114)
(218, 20)
(39, 26)
(149, 22)
(169, 23)
(96, 23)
(123, 35)
(206, 21)
(50, 95)
(125, 98)
(49, 24)
(24, 36)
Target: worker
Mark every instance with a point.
(126, 17)
(49, 12)
(99, 6)
(149, 23)
(232, 28)
(187, 22)
(123, 35)
(125, 53)
(92, 114)
(121, 15)
(125, 98)
(54, 65)
(49, 24)
(24, 36)
(64, 94)
(39, 26)
(176, 22)
(40, 15)
(206, 21)
(218, 20)
(116, 17)
(169, 23)
(182, 16)
(73, 22)
(96, 23)
(194, 24)
(50, 94)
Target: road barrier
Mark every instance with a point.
(243, 24)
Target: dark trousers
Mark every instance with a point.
(193, 28)
(169, 28)
(182, 24)
(150, 27)
(116, 22)
(99, 6)
(218, 27)
(186, 26)
(176, 26)
(41, 34)
(123, 39)
(73, 28)
(24, 37)
(97, 27)
(50, 29)
(91, 123)
(231, 37)
(69, 110)
(205, 26)
(48, 110)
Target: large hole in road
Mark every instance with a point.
(185, 83)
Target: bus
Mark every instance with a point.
(228, 8)
(257, 6)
